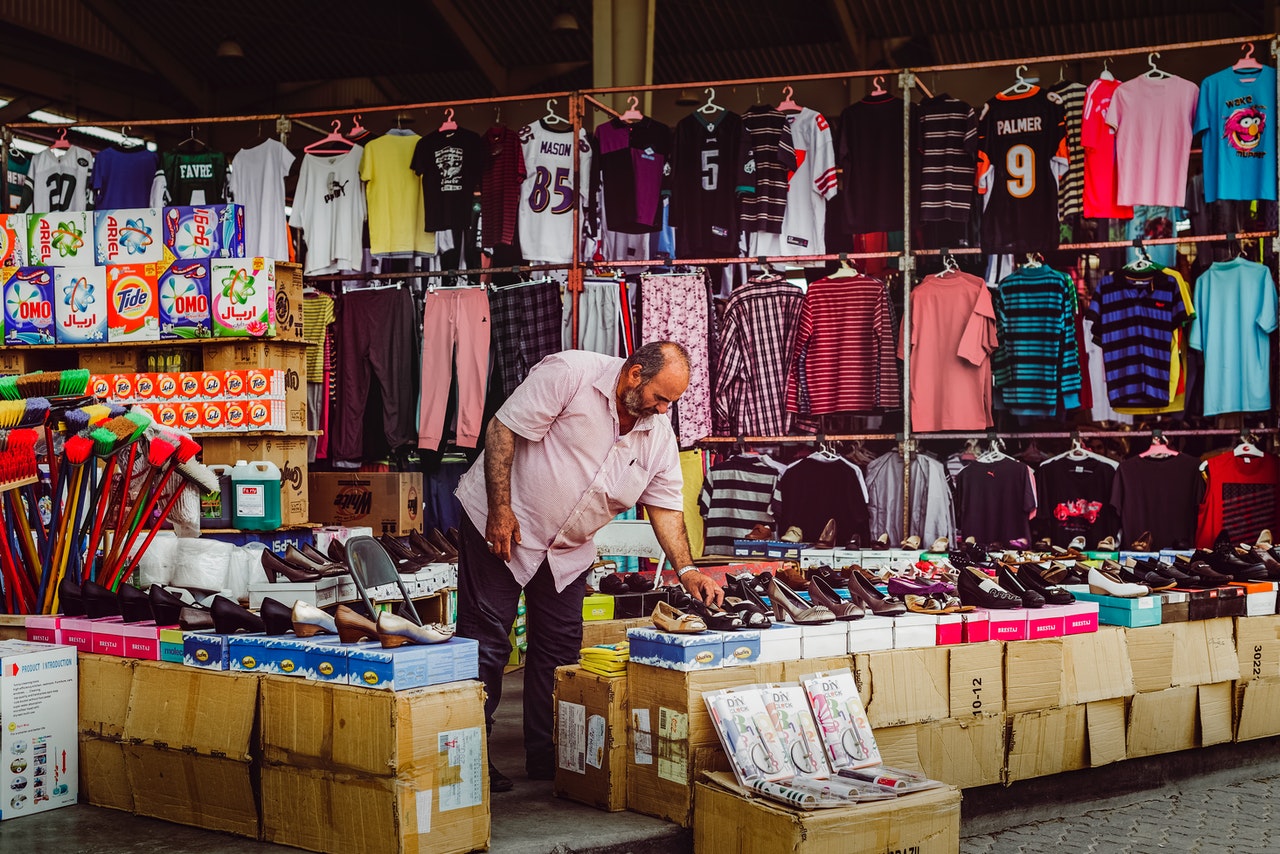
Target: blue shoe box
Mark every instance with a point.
(740, 647)
(371, 666)
(326, 659)
(1115, 611)
(284, 655)
(207, 650)
(703, 651)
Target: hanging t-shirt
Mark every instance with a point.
(1022, 155)
(1099, 141)
(711, 167)
(451, 164)
(394, 196)
(199, 178)
(20, 189)
(1074, 496)
(736, 496)
(1091, 363)
(818, 488)
(1071, 187)
(1242, 498)
(809, 188)
(1153, 115)
(1037, 365)
(871, 158)
(60, 179)
(775, 159)
(632, 162)
(329, 208)
(1134, 318)
(1160, 495)
(257, 183)
(500, 186)
(945, 141)
(1236, 113)
(995, 501)
(122, 177)
(1235, 316)
(548, 196)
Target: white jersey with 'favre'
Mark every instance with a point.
(547, 196)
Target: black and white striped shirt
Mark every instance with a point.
(946, 140)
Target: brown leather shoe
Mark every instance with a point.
(353, 627)
(827, 540)
(760, 532)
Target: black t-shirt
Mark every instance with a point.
(813, 491)
(1022, 143)
(711, 165)
(632, 161)
(870, 156)
(204, 171)
(451, 164)
(995, 501)
(1160, 495)
(1073, 500)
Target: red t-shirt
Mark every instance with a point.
(1099, 142)
(1242, 497)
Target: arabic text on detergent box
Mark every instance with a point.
(80, 305)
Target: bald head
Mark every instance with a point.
(653, 377)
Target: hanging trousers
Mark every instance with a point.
(454, 324)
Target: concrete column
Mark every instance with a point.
(622, 32)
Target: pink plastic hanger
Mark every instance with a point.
(632, 114)
(788, 105)
(1159, 448)
(1247, 62)
(61, 141)
(358, 131)
(879, 89)
(448, 123)
(335, 136)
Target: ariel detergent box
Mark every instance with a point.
(127, 236)
(13, 240)
(243, 297)
(133, 305)
(184, 301)
(28, 305)
(63, 239)
(80, 304)
(207, 231)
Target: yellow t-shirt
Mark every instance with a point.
(393, 194)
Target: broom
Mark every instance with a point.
(159, 451)
(76, 452)
(185, 452)
(141, 420)
(109, 441)
(193, 474)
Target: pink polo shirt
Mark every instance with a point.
(572, 471)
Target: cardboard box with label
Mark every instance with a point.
(38, 699)
(909, 686)
(398, 772)
(591, 738)
(390, 503)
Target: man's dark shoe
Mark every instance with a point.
(540, 766)
(499, 782)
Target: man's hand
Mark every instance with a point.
(702, 587)
(502, 530)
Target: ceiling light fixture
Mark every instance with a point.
(230, 48)
(564, 21)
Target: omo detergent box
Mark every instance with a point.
(207, 231)
(133, 307)
(13, 240)
(129, 236)
(59, 239)
(28, 305)
(243, 297)
(184, 301)
(80, 304)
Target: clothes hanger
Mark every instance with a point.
(552, 118)
(632, 114)
(448, 123)
(61, 141)
(191, 137)
(787, 105)
(1033, 260)
(1079, 452)
(1155, 73)
(1159, 447)
(1247, 62)
(711, 107)
(1062, 73)
(995, 452)
(1106, 70)
(335, 137)
(1021, 85)
(847, 269)
(878, 89)
(497, 115)
(949, 263)
(358, 131)
(1247, 448)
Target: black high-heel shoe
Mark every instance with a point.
(99, 601)
(135, 605)
(879, 604)
(822, 593)
(716, 619)
(337, 551)
(977, 588)
(277, 617)
(405, 560)
(314, 555)
(229, 618)
(442, 544)
(165, 607)
(301, 561)
(69, 598)
(275, 567)
(424, 547)
(1009, 581)
(195, 619)
(1030, 576)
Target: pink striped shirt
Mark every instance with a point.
(572, 471)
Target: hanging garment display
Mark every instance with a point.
(1099, 142)
(451, 164)
(1135, 316)
(1242, 498)
(257, 183)
(1236, 112)
(329, 209)
(712, 168)
(944, 154)
(1036, 367)
(871, 159)
(122, 178)
(818, 488)
(736, 496)
(631, 166)
(757, 341)
(1071, 185)
(548, 196)
(500, 186)
(809, 188)
(1074, 494)
(676, 308)
(455, 331)
(193, 178)
(774, 156)
(932, 512)
(995, 501)
(604, 318)
(60, 179)
(1159, 495)
(1153, 114)
(318, 314)
(393, 195)
(1235, 316)
(526, 328)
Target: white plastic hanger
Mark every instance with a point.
(847, 269)
(335, 137)
(448, 123)
(632, 114)
(711, 107)
(1155, 73)
(1021, 85)
(1247, 449)
(1106, 70)
(1033, 260)
(1080, 452)
(949, 264)
(552, 118)
(787, 105)
(995, 453)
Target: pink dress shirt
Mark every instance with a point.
(572, 471)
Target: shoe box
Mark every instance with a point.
(1115, 611)
(1260, 598)
(591, 738)
(770, 549)
(402, 668)
(206, 650)
(39, 696)
(706, 651)
(284, 655)
(321, 594)
(43, 628)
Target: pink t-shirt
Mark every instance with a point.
(572, 471)
(1099, 142)
(1153, 120)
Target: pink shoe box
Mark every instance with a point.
(108, 637)
(44, 629)
(870, 634)
(1047, 622)
(77, 632)
(950, 629)
(911, 631)
(1081, 618)
(977, 626)
(141, 640)
(1008, 625)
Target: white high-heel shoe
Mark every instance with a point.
(308, 620)
(394, 631)
(1105, 586)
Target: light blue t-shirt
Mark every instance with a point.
(1235, 316)
(1239, 143)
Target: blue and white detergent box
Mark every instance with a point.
(205, 231)
(127, 236)
(58, 238)
(28, 305)
(80, 304)
(184, 301)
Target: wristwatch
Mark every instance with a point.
(682, 570)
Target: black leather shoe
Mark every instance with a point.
(337, 551)
(229, 618)
(1197, 573)
(165, 607)
(976, 588)
(1140, 572)
(1030, 598)
(1030, 576)
(423, 547)
(498, 782)
(314, 555)
(276, 616)
(69, 598)
(301, 561)
(276, 568)
(195, 619)
(1226, 561)
(99, 601)
(135, 605)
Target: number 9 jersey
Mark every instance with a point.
(547, 196)
(1022, 154)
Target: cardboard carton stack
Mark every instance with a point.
(105, 684)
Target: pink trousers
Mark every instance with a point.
(455, 324)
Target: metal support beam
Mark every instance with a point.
(154, 52)
(73, 92)
(475, 46)
(21, 107)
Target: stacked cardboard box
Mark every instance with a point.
(1258, 689)
(105, 684)
(591, 738)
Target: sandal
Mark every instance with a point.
(715, 618)
(669, 619)
(925, 604)
(753, 614)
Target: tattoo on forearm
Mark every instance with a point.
(499, 451)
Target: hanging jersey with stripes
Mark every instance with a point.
(1071, 187)
(809, 188)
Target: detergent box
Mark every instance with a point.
(130, 236)
(206, 231)
(184, 301)
(59, 239)
(80, 304)
(13, 240)
(133, 309)
(28, 305)
(243, 294)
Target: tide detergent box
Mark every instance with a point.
(184, 301)
(208, 231)
(13, 240)
(59, 239)
(28, 305)
(243, 297)
(80, 304)
(133, 308)
(129, 236)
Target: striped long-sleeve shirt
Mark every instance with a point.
(756, 341)
(945, 136)
(844, 353)
(774, 160)
(1037, 365)
(735, 497)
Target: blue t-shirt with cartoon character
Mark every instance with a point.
(1236, 112)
